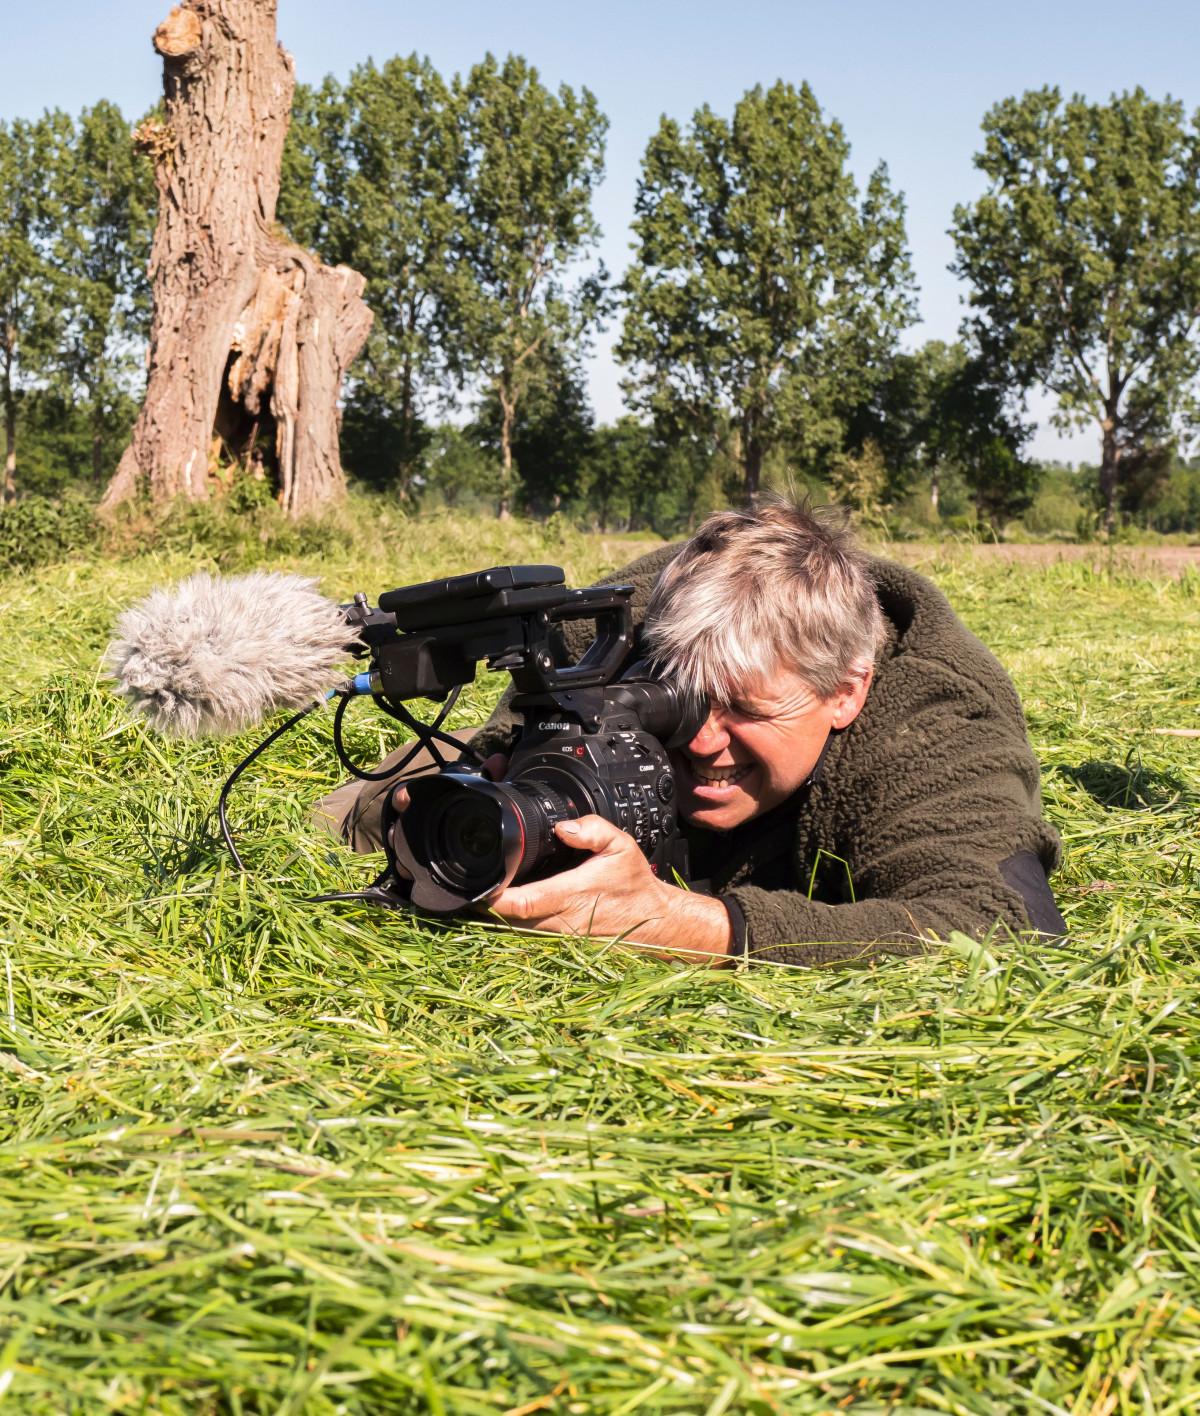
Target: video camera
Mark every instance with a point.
(594, 739)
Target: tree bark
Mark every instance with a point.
(10, 449)
(752, 461)
(933, 489)
(97, 440)
(10, 425)
(251, 334)
(1110, 463)
(407, 419)
(508, 414)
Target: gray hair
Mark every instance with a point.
(761, 590)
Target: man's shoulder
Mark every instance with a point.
(642, 574)
(921, 620)
(645, 569)
(930, 652)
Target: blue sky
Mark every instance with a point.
(909, 82)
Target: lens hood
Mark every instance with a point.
(461, 839)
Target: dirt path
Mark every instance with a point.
(1151, 560)
(1173, 560)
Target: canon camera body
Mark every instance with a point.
(594, 737)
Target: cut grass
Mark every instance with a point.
(266, 1157)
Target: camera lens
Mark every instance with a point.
(463, 837)
(467, 835)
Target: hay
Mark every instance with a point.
(260, 1157)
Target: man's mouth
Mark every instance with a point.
(720, 776)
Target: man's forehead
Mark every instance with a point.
(780, 689)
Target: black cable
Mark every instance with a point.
(339, 747)
(241, 767)
(427, 734)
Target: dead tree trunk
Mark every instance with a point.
(251, 335)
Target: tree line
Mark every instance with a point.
(759, 323)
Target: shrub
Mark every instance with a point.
(37, 531)
(1053, 514)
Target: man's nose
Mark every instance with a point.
(712, 737)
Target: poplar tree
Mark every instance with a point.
(532, 161)
(765, 292)
(100, 202)
(1084, 257)
(25, 301)
(372, 180)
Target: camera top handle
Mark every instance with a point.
(426, 639)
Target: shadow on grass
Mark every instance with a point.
(1132, 787)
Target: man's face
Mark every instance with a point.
(753, 753)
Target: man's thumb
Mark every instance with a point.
(589, 833)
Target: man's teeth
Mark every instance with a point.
(718, 775)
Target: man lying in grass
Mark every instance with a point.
(864, 775)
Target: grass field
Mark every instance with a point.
(264, 1157)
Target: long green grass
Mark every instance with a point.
(265, 1157)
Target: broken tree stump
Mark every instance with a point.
(251, 335)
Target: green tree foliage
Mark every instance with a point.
(552, 436)
(464, 205)
(372, 178)
(532, 160)
(970, 428)
(56, 436)
(99, 204)
(896, 417)
(1084, 257)
(619, 464)
(1174, 505)
(764, 295)
(938, 414)
(461, 469)
(76, 218)
(25, 303)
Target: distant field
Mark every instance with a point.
(264, 1157)
(1143, 560)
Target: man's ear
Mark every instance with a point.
(849, 699)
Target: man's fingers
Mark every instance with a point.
(400, 799)
(592, 833)
(519, 904)
(494, 767)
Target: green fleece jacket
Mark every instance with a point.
(901, 836)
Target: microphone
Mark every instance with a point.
(218, 655)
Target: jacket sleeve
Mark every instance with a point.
(500, 732)
(910, 823)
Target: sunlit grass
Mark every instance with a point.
(266, 1157)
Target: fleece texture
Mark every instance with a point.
(901, 837)
(219, 655)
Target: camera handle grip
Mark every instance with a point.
(613, 618)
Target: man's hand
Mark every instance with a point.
(616, 893)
